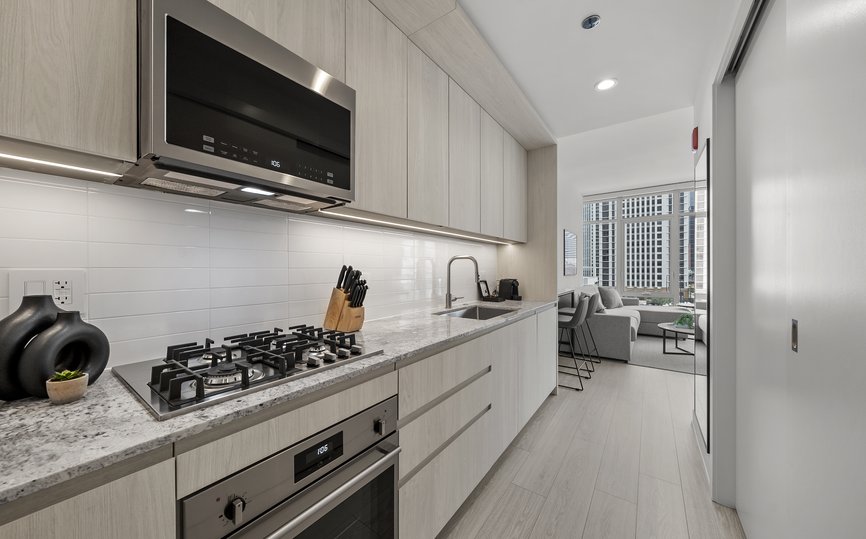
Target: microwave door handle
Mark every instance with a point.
(332, 499)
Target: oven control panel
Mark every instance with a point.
(234, 502)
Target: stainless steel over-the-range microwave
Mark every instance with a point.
(226, 113)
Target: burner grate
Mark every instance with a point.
(192, 375)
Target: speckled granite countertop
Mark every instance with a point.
(44, 445)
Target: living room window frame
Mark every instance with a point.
(620, 224)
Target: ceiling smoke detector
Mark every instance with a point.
(591, 22)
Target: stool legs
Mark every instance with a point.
(594, 346)
(574, 359)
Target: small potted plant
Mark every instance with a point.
(685, 321)
(66, 386)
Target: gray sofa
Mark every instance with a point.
(616, 330)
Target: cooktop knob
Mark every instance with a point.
(330, 357)
(313, 361)
(342, 353)
(234, 511)
(356, 349)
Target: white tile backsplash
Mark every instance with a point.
(38, 225)
(159, 274)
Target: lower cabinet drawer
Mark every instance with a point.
(426, 434)
(430, 498)
(424, 381)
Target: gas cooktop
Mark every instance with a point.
(193, 375)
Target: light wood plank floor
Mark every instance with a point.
(616, 460)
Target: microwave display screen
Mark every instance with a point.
(220, 102)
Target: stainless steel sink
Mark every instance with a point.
(476, 312)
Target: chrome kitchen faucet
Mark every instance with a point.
(448, 297)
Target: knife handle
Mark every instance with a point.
(342, 276)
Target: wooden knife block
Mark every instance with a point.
(340, 316)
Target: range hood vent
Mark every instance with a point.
(168, 176)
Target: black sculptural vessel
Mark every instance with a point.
(35, 314)
(70, 343)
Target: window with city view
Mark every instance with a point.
(649, 244)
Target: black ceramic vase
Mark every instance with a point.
(35, 314)
(70, 343)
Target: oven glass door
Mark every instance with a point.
(357, 500)
(366, 514)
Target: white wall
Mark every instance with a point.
(801, 426)
(730, 16)
(158, 274)
(645, 152)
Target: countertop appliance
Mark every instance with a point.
(194, 375)
(339, 482)
(227, 114)
(508, 289)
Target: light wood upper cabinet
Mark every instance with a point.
(492, 178)
(313, 29)
(514, 197)
(428, 140)
(139, 505)
(376, 61)
(69, 74)
(464, 160)
(411, 16)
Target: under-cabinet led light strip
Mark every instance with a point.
(58, 165)
(412, 227)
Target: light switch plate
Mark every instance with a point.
(68, 287)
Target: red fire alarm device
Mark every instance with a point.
(695, 139)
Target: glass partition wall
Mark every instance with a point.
(702, 296)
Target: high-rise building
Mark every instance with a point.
(599, 243)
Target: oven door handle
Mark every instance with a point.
(323, 505)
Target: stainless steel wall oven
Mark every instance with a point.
(341, 482)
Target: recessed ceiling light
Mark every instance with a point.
(606, 84)
(591, 22)
(254, 191)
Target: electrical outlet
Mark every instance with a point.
(66, 286)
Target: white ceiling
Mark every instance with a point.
(655, 48)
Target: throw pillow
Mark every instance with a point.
(610, 297)
(599, 305)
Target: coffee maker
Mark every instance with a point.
(508, 289)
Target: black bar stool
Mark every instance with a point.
(569, 325)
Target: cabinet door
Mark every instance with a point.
(313, 29)
(69, 74)
(464, 161)
(432, 496)
(491, 175)
(547, 354)
(515, 189)
(505, 414)
(139, 505)
(376, 58)
(428, 140)
(529, 375)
